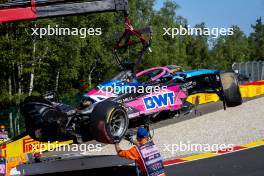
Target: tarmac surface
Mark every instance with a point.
(249, 162)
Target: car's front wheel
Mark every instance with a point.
(231, 91)
(109, 122)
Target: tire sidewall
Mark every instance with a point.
(101, 119)
(231, 93)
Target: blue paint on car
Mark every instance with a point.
(192, 73)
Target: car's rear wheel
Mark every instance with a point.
(43, 122)
(109, 122)
(231, 91)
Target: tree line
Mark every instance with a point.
(30, 65)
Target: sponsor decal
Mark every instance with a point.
(159, 101)
(29, 145)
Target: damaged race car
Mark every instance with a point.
(107, 109)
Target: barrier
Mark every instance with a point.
(17, 152)
(24, 146)
(203, 98)
(248, 90)
(252, 89)
(254, 70)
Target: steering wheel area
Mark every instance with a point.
(154, 73)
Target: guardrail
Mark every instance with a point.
(253, 70)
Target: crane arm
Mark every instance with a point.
(35, 9)
(28, 10)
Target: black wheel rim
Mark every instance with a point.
(118, 123)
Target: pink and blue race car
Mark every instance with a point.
(107, 109)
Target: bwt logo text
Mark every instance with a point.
(158, 101)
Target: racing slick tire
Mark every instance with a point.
(231, 90)
(42, 121)
(109, 122)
